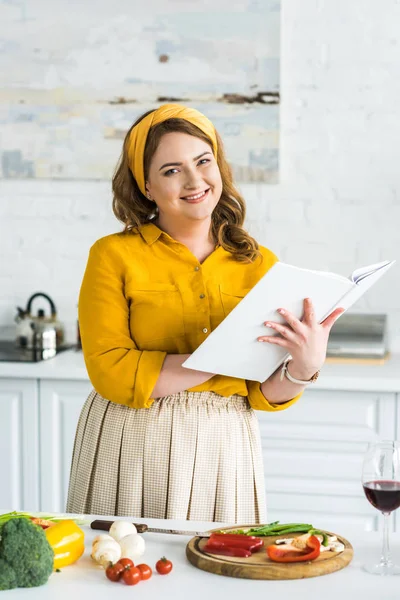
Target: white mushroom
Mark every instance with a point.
(105, 552)
(120, 529)
(132, 546)
(100, 538)
(336, 547)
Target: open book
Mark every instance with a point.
(232, 348)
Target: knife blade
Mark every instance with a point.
(143, 528)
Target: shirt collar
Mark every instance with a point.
(150, 233)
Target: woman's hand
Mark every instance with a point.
(305, 340)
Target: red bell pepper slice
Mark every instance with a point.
(234, 536)
(251, 543)
(252, 547)
(278, 553)
(227, 551)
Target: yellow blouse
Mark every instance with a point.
(144, 295)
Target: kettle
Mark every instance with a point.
(31, 328)
(44, 338)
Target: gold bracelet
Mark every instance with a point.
(285, 373)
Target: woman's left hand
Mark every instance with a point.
(305, 340)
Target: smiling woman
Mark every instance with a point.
(134, 204)
(155, 439)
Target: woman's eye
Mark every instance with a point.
(204, 161)
(170, 172)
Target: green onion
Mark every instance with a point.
(79, 520)
(325, 540)
(275, 529)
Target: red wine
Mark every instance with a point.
(384, 495)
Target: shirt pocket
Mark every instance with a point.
(231, 296)
(156, 312)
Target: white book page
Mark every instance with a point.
(365, 279)
(360, 274)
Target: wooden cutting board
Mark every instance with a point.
(259, 566)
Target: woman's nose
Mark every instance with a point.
(192, 180)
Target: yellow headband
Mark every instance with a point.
(138, 136)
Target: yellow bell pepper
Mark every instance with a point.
(67, 541)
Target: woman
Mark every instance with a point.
(155, 439)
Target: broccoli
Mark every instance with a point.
(26, 557)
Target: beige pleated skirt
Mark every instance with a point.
(192, 456)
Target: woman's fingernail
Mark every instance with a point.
(267, 324)
(281, 311)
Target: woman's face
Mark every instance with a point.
(184, 179)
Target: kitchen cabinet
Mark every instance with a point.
(19, 439)
(60, 404)
(313, 456)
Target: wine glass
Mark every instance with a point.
(381, 483)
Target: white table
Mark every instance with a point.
(86, 580)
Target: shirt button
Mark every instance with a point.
(197, 268)
(205, 330)
(202, 296)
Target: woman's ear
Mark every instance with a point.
(148, 195)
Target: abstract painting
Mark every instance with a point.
(75, 75)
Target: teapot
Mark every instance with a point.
(28, 326)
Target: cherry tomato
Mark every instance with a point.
(125, 562)
(145, 571)
(163, 566)
(131, 575)
(114, 572)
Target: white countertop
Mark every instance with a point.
(66, 365)
(86, 580)
(334, 376)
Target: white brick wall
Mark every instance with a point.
(337, 206)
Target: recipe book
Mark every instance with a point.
(232, 348)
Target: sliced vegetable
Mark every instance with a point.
(237, 541)
(289, 553)
(232, 536)
(43, 523)
(67, 541)
(227, 551)
(325, 538)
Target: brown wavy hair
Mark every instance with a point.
(133, 209)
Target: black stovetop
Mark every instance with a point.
(10, 352)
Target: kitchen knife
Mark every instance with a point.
(143, 528)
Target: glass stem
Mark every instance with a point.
(386, 558)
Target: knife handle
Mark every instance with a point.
(105, 525)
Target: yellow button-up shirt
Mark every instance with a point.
(144, 295)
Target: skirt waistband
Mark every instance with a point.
(235, 401)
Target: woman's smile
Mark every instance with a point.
(196, 198)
